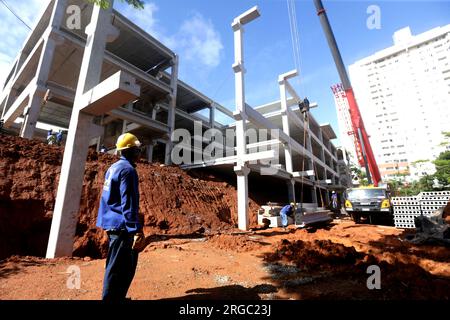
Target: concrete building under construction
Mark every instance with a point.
(110, 77)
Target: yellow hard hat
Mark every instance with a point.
(292, 204)
(127, 140)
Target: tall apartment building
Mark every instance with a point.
(403, 93)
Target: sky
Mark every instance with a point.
(199, 31)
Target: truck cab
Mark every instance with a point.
(369, 203)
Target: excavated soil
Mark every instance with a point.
(171, 201)
(235, 243)
(193, 250)
(325, 263)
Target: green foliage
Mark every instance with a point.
(104, 4)
(399, 188)
(442, 164)
(446, 141)
(361, 176)
(419, 161)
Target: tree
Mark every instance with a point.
(446, 141)
(442, 164)
(359, 175)
(104, 4)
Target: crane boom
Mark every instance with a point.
(373, 173)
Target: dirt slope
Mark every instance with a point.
(172, 201)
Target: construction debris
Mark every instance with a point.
(431, 230)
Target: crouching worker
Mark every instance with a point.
(287, 211)
(118, 215)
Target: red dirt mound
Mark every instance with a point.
(318, 253)
(172, 201)
(236, 243)
(323, 260)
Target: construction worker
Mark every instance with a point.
(51, 139)
(59, 137)
(287, 211)
(118, 215)
(334, 200)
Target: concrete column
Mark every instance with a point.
(241, 169)
(171, 111)
(150, 148)
(212, 115)
(322, 150)
(67, 203)
(286, 129)
(310, 160)
(291, 190)
(242, 195)
(33, 109)
(154, 112)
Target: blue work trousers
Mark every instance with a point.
(120, 266)
(284, 219)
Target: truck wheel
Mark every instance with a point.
(356, 217)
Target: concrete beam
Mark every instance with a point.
(120, 63)
(286, 76)
(223, 110)
(142, 120)
(136, 72)
(18, 107)
(307, 173)
(143, 34)
(117, 90)
(292, 92)
(31, 56)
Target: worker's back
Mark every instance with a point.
(119, 204)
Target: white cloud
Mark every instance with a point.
(143, 18)
(198, 41)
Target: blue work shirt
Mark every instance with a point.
(119, 204)
(287, 210)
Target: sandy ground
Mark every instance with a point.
(325, 263)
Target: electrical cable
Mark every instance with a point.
(16, 15)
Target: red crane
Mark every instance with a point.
(362, 143)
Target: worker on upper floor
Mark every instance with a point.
(51, 138)
(118, 214)
(59, 137)
(287, 211)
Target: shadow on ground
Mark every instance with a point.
(231, 292)
(322, 269)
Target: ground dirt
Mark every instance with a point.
(194, 250)
(328, 262)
